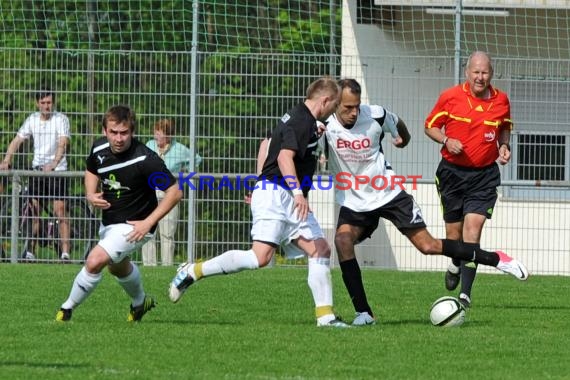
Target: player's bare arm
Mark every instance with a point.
(287, 168)
(172, 196)
(262, 155)
(94, 198)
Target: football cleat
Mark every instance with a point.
(63, 315)
(336, 322)
(180, 282)
(363, 319)
(137, 312)
(452, 277)
(465, 301)
(512, 266)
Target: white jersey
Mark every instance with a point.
(357, 152)
(46, 135)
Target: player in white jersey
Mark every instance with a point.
(363, 179)
(358, 150)
(50, 132)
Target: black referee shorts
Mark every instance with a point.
(465, 190)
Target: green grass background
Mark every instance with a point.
(260, 325)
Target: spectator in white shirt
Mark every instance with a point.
(50, 132)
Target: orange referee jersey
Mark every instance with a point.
(475, 122)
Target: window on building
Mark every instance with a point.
(540, 109)
(541, 157)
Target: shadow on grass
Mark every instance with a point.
(200, 322)
(526, 307)
(423, 322)
(11, 363)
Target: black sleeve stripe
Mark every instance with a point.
(380, 120)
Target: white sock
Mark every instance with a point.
(82, 287)
(452, 268)
(320, 282)
(230, 262)
(133, 286)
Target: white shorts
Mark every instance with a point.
(275, 220)
(113, 239)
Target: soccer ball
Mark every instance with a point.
(447, 312)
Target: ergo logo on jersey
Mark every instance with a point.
(355, 145)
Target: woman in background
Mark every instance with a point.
(176, 156)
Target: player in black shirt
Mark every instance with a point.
(292, 134)
(281, 214)
(128, 173)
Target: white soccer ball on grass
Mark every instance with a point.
(447, 312)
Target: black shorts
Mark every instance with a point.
(50, 188)
(402, 211)
(466, 190)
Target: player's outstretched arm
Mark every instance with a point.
(172, 196)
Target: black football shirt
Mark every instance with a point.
(297, 131)
(124, 179)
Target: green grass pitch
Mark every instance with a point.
(260, 325)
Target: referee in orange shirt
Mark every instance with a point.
(472, 122)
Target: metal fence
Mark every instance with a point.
(224, 99)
